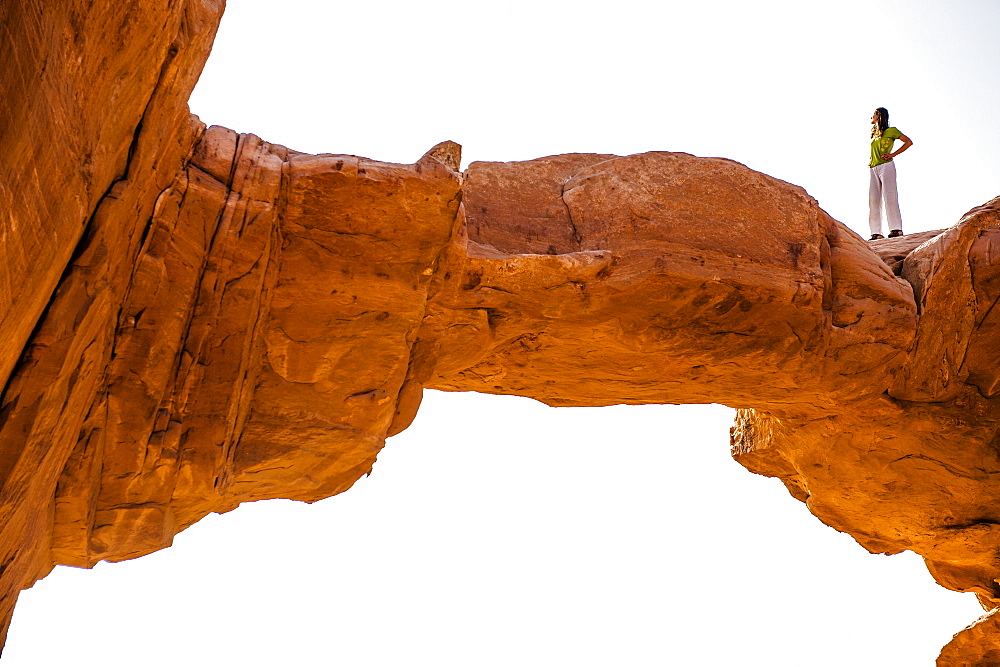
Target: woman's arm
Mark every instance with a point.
(907, 142)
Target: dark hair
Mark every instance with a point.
(882, 124)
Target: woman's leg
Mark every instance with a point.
(891, 197)
(875, 201)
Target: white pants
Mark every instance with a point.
(883, 185)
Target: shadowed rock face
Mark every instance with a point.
(195, 318)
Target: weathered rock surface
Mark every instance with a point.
(894, 250)
(93, 126)
(195, 318)
(678, 267)
(975, 645)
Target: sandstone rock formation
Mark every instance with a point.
(195, 318)
(93, 126)
(975, 645)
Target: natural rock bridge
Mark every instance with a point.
(194, 318)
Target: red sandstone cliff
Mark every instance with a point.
(194, 318)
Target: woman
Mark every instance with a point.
(883, 175)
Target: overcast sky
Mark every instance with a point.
(498, 531)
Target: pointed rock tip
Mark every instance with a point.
(447, 153)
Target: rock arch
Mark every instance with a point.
(197, 318)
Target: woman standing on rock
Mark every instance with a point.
(883, 175)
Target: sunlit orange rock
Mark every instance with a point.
(194, 318)
(93, 126)
(975, 645)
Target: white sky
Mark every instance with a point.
(497, 531)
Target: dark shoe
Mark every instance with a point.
(876, 237)
(895, 232)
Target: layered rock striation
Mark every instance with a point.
(194, 318)
(93, 126)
